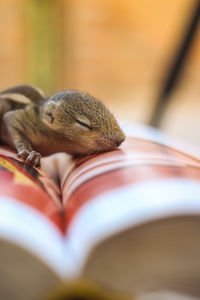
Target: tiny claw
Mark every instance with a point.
(37, 162)
(23, 154)
(34, 158)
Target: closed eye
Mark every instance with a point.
(83, 124)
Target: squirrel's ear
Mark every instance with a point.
(49, 112)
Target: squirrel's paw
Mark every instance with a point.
(32, 157)
(23, 154)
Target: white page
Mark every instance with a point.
(130, 206)
(28, 228)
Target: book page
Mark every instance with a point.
(111, 192)
(31, 212)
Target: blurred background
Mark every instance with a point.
(120, 51)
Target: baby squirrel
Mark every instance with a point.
(69, 121)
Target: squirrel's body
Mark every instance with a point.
(27, 120)
(69, 121)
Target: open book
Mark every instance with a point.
(127, 220)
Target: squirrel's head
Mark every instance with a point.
(85, 122)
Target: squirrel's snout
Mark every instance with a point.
(120, 139)
(110, 143)
(118, 142)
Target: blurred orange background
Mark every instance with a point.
(117, 50)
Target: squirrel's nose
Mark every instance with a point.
(119, 140)
(110, 143)
(118, 143)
